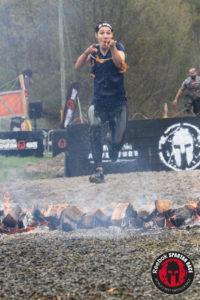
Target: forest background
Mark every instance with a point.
(161, 38)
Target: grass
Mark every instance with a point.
(10, 167)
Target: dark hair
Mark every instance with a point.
(102, 24)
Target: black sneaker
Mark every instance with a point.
(97, 177)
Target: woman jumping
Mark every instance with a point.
(107, 60)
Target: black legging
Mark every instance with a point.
(117, 119)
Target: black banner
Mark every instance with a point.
(23, 143)
(59, 141)
(150, 145)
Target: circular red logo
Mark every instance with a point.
(70, 104)
(21, 145)
(172, 272)
(62, 143)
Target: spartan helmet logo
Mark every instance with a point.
(179, 147)
(182, 148)
(173, 272)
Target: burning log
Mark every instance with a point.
(182, 216)
(70, 217)
(93, 219)
(73, 213)
(1, 215)
(160, 220)
(53, 215)
(12, 216)
(65, 224)
(108, 210)
(102, 217)
(32, 218)
(88, 220)
(147, 213)
(162, 206)
(53, 223)
(148, 225)
(198, 208)
(28, 220)
(123, 214)
(138, 222)
(38, 215)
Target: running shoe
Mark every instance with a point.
(97, 177)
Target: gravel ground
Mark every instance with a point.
(95, 264)
(98, 263)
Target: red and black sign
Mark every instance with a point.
(59, 141)
(62, 143)
(70, 104)
(172, 272)
(21, 145)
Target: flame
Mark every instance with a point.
(164, 211)
(19, 230)
(6, 197)
(196, 218)
(58, 208)
(193, 205)
(169, 223)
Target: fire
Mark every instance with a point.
(18, 230)
(55, 209)
(6, 197)
(68, 217)
(193, 205)
(169, 223)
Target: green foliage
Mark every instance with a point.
(157, 36)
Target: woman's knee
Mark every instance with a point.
(93, 119)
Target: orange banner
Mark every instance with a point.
(11, 104)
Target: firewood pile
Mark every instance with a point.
(67, 217)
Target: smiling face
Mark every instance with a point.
(104, 35)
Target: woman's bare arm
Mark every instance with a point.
(84, 58)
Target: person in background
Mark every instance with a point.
(192, 87)
(27, 78)
(109, 103)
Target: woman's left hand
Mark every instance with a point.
(111, 43)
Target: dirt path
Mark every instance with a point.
(180, 187)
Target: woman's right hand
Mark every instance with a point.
(91, 49)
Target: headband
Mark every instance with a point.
(103, 25)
